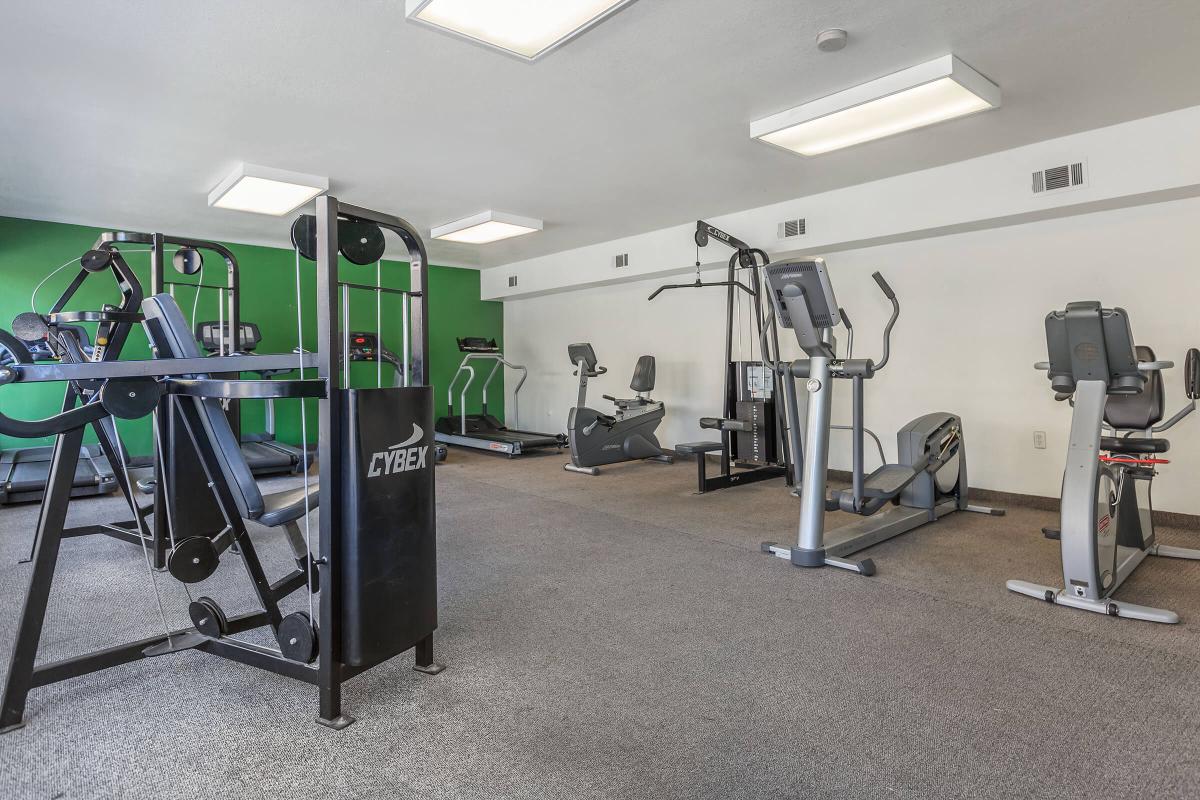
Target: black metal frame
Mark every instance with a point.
(747, 258)
(329, 671)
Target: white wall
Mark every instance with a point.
(1145, 160)
(972, 306)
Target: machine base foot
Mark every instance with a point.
(581, 470)
(994, 512)
(429, 669)
(16, 726)
(338, 723)
(663, 459)
(1104, 606)
(817, 558)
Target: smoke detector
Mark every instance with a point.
(831, 40)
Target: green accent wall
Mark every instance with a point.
(31, 250)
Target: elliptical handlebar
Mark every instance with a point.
(887, 330)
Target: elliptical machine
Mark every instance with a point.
(930, 480)
(1106, 518)
(597, 439)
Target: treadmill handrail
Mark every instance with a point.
(464, 366)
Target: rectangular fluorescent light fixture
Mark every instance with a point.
(486, 226)
(527, 29)
(264, 190)
(928, 93)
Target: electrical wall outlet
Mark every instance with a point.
(1039, 440)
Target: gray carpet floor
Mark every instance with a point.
(618, 637)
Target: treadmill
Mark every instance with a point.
(483, 431)
(25, 471)
(263, 452)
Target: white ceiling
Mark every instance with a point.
(127, 112)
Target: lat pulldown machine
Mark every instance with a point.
(754, 444)
(370, 578)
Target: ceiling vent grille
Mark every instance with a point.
(792, 227)
(512, 281)
(1065, 176)
(621, 260)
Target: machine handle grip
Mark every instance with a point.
(887, 290)
(845, 318)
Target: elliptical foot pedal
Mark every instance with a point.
(1052, 533)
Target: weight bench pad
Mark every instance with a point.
(697, 448)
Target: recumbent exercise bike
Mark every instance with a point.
(596, 438)
(1106, 518)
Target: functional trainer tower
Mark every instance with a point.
(754, 444)
(930, 479)
(1106, 518)
(597, 439)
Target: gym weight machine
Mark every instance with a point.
(374, 560)
(754, 444)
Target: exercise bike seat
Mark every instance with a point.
(1115, 444)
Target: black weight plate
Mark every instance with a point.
(130, 398)
(360, 242)
(208, 617)
(95, 260)
(193, 559)
(304, 236)
(297, 638)
(187, 260)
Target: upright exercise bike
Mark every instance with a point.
(1106, 518)
(929, 479)
(596, 438)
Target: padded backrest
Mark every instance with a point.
(171, 337)
(643, 375)
(1142, 410)
(1086, 342)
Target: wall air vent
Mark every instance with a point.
(1065, 176)
(512, 281)
(621, 260)
(790, 228)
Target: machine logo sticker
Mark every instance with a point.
(401, 457)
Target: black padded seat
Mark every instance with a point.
(172, 337)
(697, 448)
(1114, 444)
(287, 506)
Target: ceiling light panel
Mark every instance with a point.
(486, 226)
(527, 29)
(936, 91)
(263, 190)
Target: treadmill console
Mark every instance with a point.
(477, 344)
(363, 346)
(210, 339)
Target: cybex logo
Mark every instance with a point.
(401, 457)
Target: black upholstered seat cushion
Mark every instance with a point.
(1114, 444)
(288, 505)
